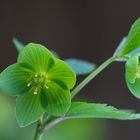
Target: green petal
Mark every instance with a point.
(134, 87)
(132, 75)
(28, 108)
(36, 56)
(55, 100)
(131, 68)
(132, 42)
(13, 80)
(62, 73)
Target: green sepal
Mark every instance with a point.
(132, 42)
(56, 99)
(13, 80)
(132, 75)
(28, 108)
(132, 68)
(63, 73)
(134, 88)
(37, 57)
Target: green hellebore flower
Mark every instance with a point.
(41, 83)
(133, 74)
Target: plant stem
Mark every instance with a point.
(92, 75)
(38, 136)
(53, 123)
(39, 131)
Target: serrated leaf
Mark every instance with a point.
(28, 109)
(93, 110)
(80, 67)
(133, 39)
(18, 45)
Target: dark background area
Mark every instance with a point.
(86, 29)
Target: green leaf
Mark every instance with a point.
(62, 73)
(18, 45)
(133, 40)
(134, 88)
(80, 67)
(92, 110)
(28, 108)
(13, 80)
(36, 57)
(56, 99)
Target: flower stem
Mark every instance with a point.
(39, 131)
(38, 136)
(92, 75)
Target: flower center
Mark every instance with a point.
(37, 82)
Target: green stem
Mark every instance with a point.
(38, 136)
(92, 75)
(39, 131)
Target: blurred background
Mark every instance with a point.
(85, 29)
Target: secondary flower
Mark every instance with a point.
(133, 74)
(41, 82)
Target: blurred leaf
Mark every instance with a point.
(9, 129)
(18, 45)
(133, 40)
(121, 45)
(77, 129)
(5, 109)
(55, 54)
(80, 66)
(92, 110)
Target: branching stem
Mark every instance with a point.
(92, 75)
